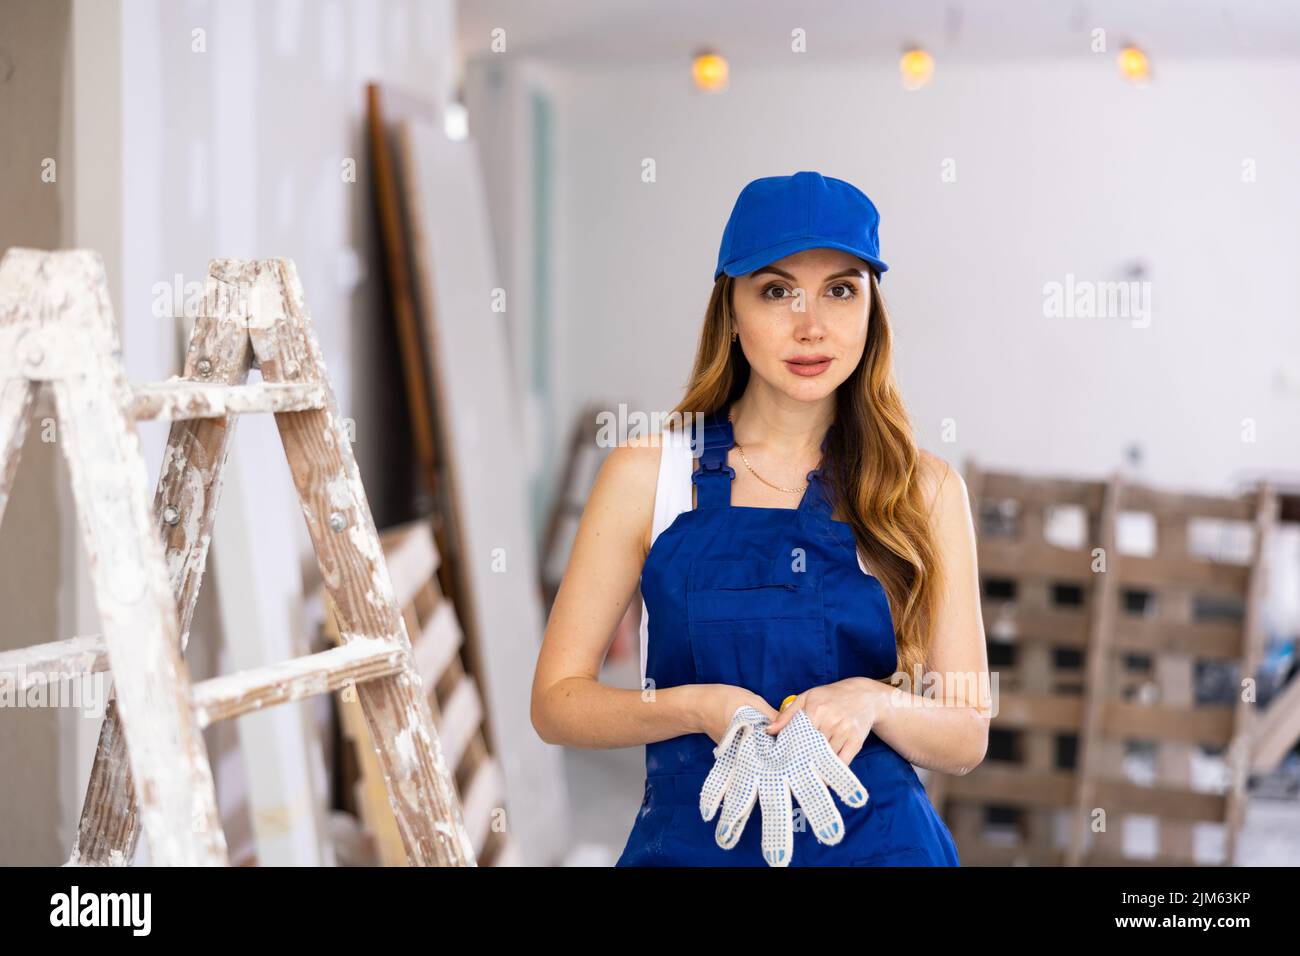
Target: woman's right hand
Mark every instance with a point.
(720, 703)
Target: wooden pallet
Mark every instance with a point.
(151, 771)
(1095, 651)
(453, 697)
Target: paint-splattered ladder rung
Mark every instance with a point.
(179, 399)
(56, 660)
(360, 659)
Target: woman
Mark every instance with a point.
(812, 552)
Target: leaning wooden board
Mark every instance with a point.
(478, 422)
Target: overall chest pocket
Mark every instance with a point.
(757, 623)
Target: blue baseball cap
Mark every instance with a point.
(779, 215)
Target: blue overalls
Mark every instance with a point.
(772, 600)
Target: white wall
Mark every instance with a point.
(505, 100)
(238, 150)
(1061, 168)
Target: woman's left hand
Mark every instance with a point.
(844, 712)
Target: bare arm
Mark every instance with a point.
(952, 738)
(569, 704)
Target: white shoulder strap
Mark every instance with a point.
(672, 497)
(673, 491)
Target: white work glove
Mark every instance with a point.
(735, 764)
(752, 765)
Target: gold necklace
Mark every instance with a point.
(789, 491)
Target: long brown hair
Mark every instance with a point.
(871, 464)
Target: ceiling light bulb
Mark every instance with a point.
(709, 71)
(1133, 64)
(916, 68)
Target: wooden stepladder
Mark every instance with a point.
(151, 770)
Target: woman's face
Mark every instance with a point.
(803, 320)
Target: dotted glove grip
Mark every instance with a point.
(750, 765)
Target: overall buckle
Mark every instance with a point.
(707, 470)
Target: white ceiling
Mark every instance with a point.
(758, 31)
